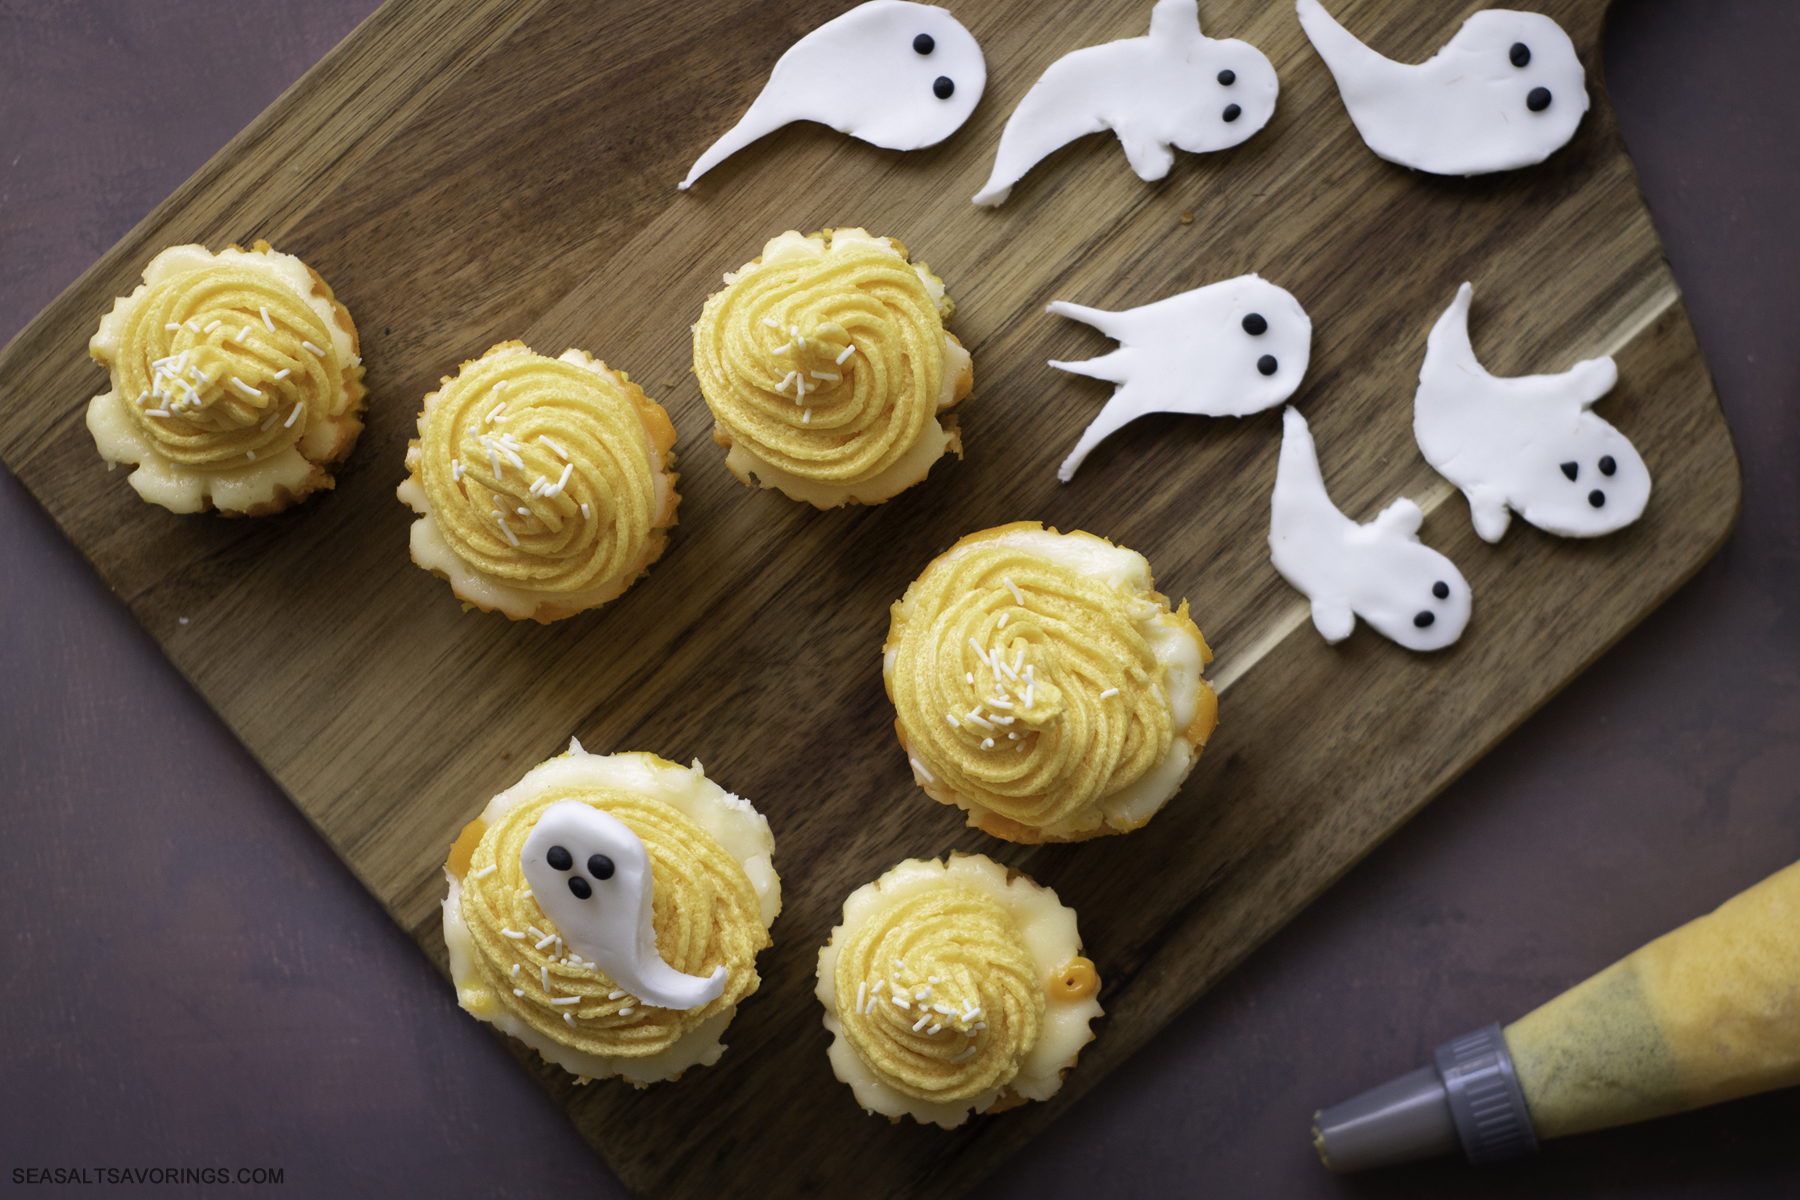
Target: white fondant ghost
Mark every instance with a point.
(1228, 349)
(1380, 572)
(895, 74)
(1527, 444)
(1168, 89)
(1507, 91)
(610, 925)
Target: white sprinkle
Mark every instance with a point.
(806, 417)
(192, 326)
(567, 1000)
(987, 743)
(799, 387)
(794, 329)
(570, 1018)
(970, 1050)
(848, 351)
(560, 484)
(627, 1010)
(507, 530)
(1029, 688)
(455, 464)
(920, 768)
(994, 663)
(524, 512)
(979, 652)
(968, 677)
(214, 325)
(1017, 659)
(1003, 618)
(159, 412)
(920, 1024)
(825, 375)
(879, 984)
(493, 462)
(548, 938)
(954, 723)
(783, 349)
(561, 453)
(786, 379)
(1012, 737)
(515, 971)
(183, 620)
(173, 325)
(273, 417)
(284, 372)
(934, 1029)
(862, 995)
(946, 1010)
(899, 1003)
(268, 323)
(1109, 692)
(544, 974)
(932, 979)
(145, 396)
(320, 353)
(997, 703)
(585, 513)
(248, 390)
(979, 1024)
(243, 333)
(518, 991)
(922, 994)
(540, 484)
(495, 411)
(771, 322)
(975, 718)
(292, 417)
(251, 455)
(513, 934)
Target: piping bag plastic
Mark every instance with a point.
(1704, 1014)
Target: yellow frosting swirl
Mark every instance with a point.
(226, 364)
(770, 353)
(985, 978)
(542, 473)
(706, 914)
(1025, 685)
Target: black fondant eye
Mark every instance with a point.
(1232, 113)
(1570, 470)
(1267, 364)
(1597, 498)
(1537, 99)
(1227, 77)
(923, 44)
(1520, 54)
(1441, 590)
(580, 887)
(1424, 619)
(559, 858)
(1255, 326)
(942, 86)
(600, 866)
(1608, 466)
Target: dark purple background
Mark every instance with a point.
(190, 977)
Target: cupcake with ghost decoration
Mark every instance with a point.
(1043, 685)
(954, 987)
(607, 910)
(828, 369)
(236, 381)
(544, 486)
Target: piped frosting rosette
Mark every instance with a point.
(954, 987)
(236, 381)
(1042, 684)
(826, 366)
(543, 485)
(716, 894)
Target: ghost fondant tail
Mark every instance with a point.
(759, 121)
(1051, 115)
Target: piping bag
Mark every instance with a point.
(1704, 1014)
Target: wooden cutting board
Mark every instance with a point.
(465, 173)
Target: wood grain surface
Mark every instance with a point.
(464, 174)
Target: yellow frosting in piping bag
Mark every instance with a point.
(826, 358)
(706, 914)
(1031, 687)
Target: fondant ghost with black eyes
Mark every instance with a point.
(591, 875)
(1174, 89)
(1228, 349)
(1528, 445)
(1507, 91)
(1380, 572)
(892, 73)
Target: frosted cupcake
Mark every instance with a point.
(1044, 686)
(953, 988)
(607, 911)
(828, 371)
(544, 486)
(236, 381)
